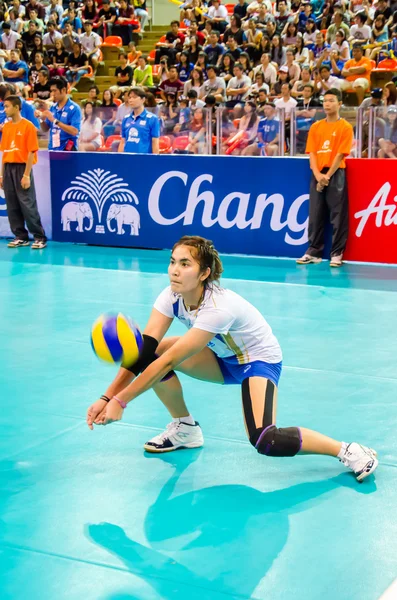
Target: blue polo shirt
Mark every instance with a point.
(269, 128)
(27, 112)
(70, 114)
(139, 131)
(14, 66)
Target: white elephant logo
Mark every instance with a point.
(98, 187)
(76, 212)
(124, 214)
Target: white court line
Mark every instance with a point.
(232, 279)
(391, 592)
(361, 375)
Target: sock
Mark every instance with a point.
(188, 420)
(342, 450)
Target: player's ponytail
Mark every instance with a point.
(205, 254)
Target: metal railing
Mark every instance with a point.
(242, 130)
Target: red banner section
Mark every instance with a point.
(372, 210)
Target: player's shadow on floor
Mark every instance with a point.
(222, 539)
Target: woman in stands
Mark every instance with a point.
(59, 60)
(90, 138)
(202, 62)
(228, 342)
(197, 132)
(194, 82)
(226, 67)
(388, 143)
(389, 96)
(169, 113)
(90, 11)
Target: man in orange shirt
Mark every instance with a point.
(357, 73)
(329, 142)
(19, 146)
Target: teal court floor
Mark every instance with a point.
(87, 515)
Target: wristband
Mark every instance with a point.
(121, 402)
(27, 176)
(105, 398)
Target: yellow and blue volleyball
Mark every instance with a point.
(115, 338)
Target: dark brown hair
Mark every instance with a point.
(15, 101)
(205, 254)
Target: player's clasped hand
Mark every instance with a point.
(103, 413)
(94, 412)
(113, 412)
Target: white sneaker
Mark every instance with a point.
(361, 460)
(177, 435)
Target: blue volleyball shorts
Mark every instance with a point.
(234, 374)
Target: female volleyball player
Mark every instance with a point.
(228, 342)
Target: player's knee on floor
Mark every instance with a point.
(275, 441)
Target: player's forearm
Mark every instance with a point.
(152, 375)
(122, 380)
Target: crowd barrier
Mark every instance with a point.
(236, 131)
(246, 205)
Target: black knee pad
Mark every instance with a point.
(148, 355)
(283, 441)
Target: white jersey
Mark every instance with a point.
(241, 334)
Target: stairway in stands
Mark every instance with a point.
(104, 77)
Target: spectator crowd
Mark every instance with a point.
(251, 59)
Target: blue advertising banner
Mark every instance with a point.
(245, 205)
(42, 183)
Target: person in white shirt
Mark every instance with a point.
(228, 341)
(51, 36)
(214, 85)
(341, 45)
(325, 81)
(194, 101)
(18, 7)
(15, 22)
(254, 7)
(219, 15)
(286, 101)
(52, 7)
(90, 138)
(269, 71)
(239, 86)
(9, 38)
(360, 33)
(90, 43)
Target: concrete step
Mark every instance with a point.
(105, 80)
(154, 34)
